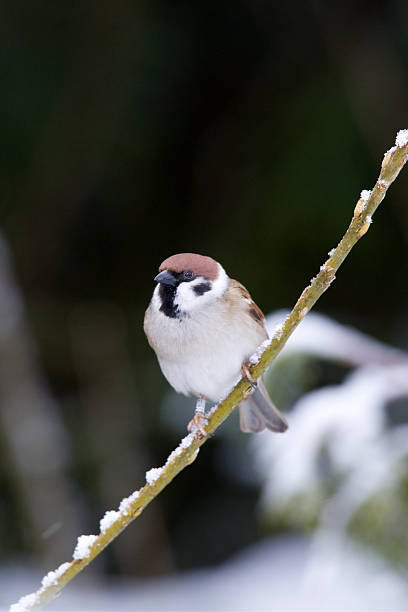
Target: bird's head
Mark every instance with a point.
(188, 281)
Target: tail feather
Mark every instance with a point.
(258, 412)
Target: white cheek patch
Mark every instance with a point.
(200, 292)
(185, 297)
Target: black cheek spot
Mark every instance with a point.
(202, 288)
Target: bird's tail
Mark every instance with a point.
(258, 412)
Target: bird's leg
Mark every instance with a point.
(247, 374)
(199, 420)
(200, 405)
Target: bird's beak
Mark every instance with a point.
(165, 278)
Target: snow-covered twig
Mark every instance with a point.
(114, 522)
(393, 162)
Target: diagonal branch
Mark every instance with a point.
(115, 521)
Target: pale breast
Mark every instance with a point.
(202, 355)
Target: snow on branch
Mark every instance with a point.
(115, 521)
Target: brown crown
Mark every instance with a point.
(199, 264)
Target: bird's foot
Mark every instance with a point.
(199, 420)
(247, 374)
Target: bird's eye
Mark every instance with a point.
(188, 275)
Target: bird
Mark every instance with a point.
(203, 327)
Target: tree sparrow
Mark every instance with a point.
(203, 327)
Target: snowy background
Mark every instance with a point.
(246, 131)
(339, 473)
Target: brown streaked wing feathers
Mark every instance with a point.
(254, 311)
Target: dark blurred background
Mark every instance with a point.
(134, 130)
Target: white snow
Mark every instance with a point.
(276, 334)
(402, 138)
(214, 408)
(85, 542)
(369, 219)
(108, 519)
(126, 503)
(52, 577)
(153, 474)
(331, 252)
(185, 443)
(347, 419)
(27, 602)
(390, 152)
(365, 194)
(255, 357)
(302, 573)
(325, 571)
(177, 451)
(83, 546)
(24, 603)
(319, 335)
